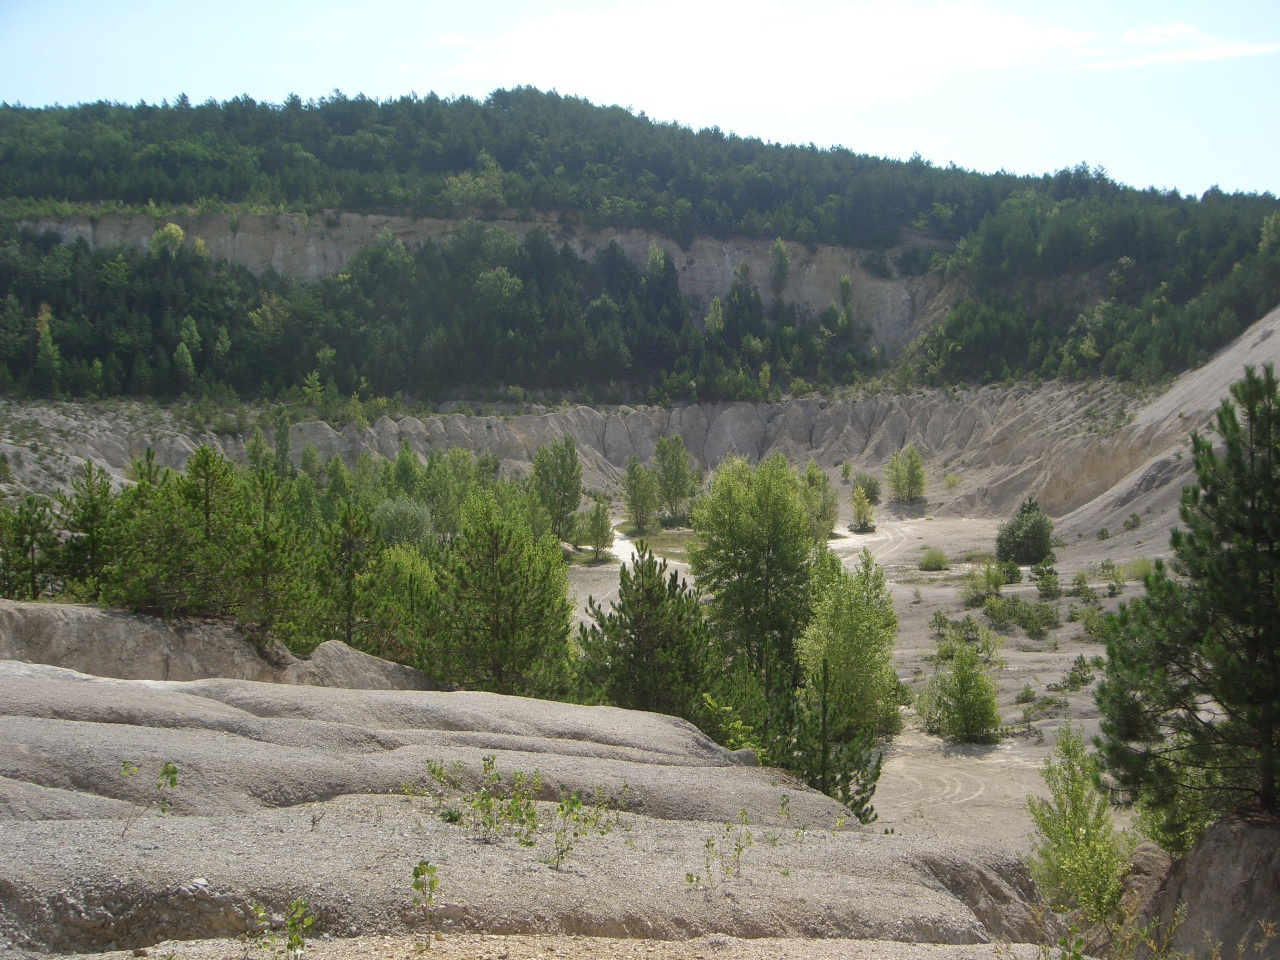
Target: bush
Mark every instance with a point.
(1077, 859)
(1046, 580)
(869, 484)
(1011, 572)
(1037, 619)
(1132, 522)
(977, 587)
(1080, 587)
(1027, 537)
(934, 559)
(864, 514)
(1000, 611)
(960, 703)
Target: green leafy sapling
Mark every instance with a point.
(496, 810)
(298, 922)
(165, 785)
(425, 883)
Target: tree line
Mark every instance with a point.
(481, 312)
(520, 149)
(445, 566)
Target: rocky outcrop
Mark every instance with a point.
(307, 248)
(1229, 887)
(108, 643)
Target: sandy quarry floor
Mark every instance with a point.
(928, 787)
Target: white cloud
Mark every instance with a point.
(762, 55)
(1188, 55)
(1182, 44)
(1162, 34)
(736, 63)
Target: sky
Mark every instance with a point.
(1175, 94)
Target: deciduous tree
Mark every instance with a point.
(557, 480)
(753, 556)
(677, 480)
(640, 493)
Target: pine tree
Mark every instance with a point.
(1190, 699)
(504, 608)
(28, 549)
(88, 512)
(269, 566)
(282, 461)
(652, 650)
(348, 548)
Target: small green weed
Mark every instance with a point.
(298, 922)
(498, 811)
(424, 886)
(575, 820)
(165, 785)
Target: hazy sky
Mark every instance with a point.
(1171, 94)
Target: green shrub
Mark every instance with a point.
(1132, 522)
(1080, 588)
(1026, 537)
(869, 484)
(1037, 619)
(1011, 572)
(1077, 859)
(934, 559)
(1025, 695)
(939, 623)
(1046, 580)
(1077, 678)
(977, 587)
(960, 703)
(1104, 534)
(1136, 569)
(1000, 611)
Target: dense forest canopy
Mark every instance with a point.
(1069, 274)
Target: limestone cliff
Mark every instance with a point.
(307, 248)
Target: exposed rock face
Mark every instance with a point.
(106, 643)
(307, 248)
(1230, 884)
(1003, 443)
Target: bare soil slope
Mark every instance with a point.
(289, 792)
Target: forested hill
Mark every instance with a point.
(1068, 274)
